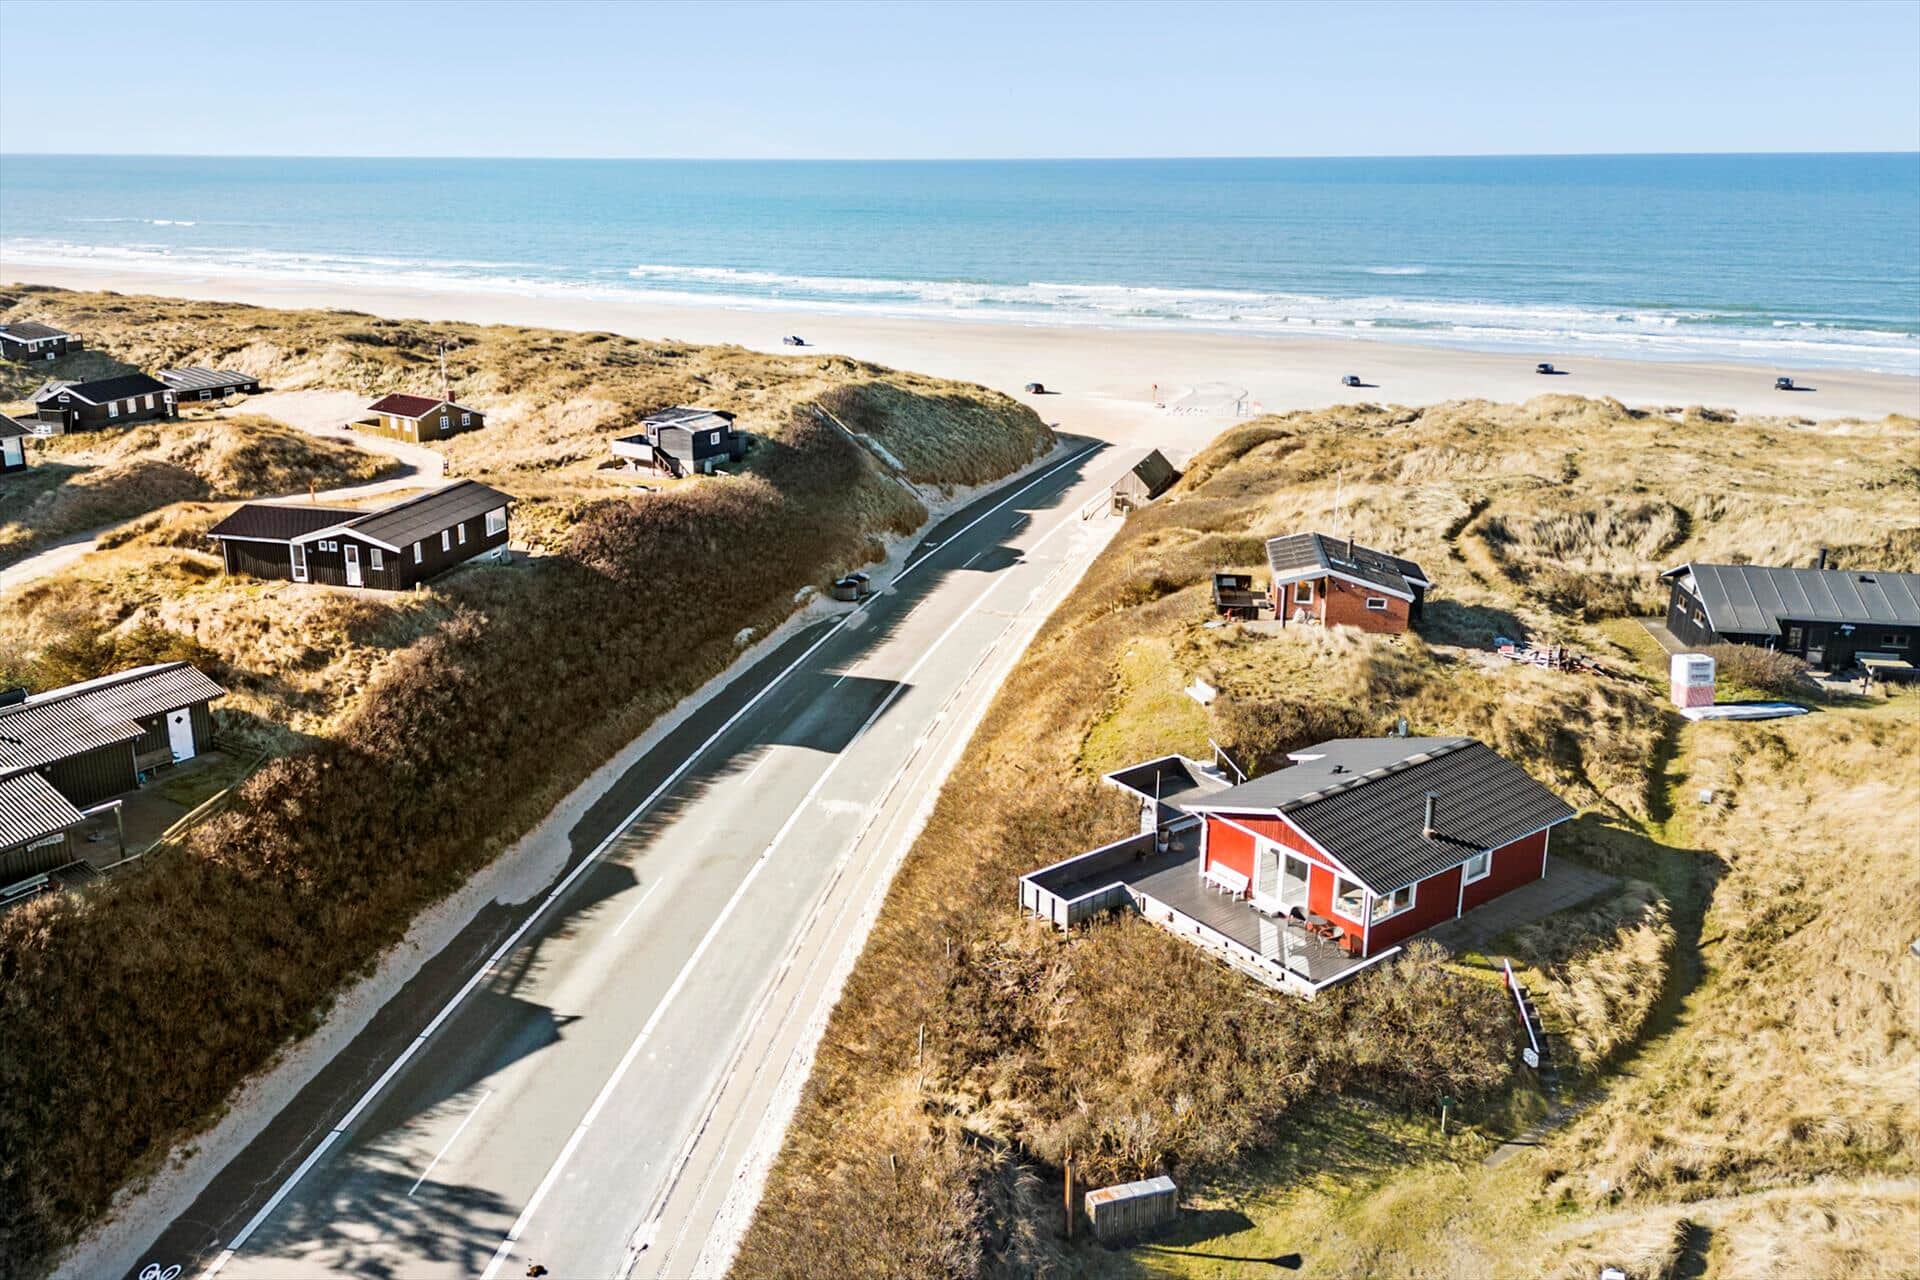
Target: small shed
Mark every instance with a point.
(683, 440)
(30, 340)
(1234, 596)
(419, 418)
(1150, 477)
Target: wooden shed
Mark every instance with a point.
(1150, 477)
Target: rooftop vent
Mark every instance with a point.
(1426, 826)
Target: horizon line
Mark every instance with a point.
(983, 159)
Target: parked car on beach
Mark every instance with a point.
(1350, 380)
(1784, 384)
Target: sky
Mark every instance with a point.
(936, 80)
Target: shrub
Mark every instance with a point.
(1768, 670)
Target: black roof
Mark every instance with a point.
(1363, 800)
(428, 514)
(1299, 556)
(274, 522)
(1155, 473)
(8, 427)
(101, 390)
(31, 330)
(1753, 599)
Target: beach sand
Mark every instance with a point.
(1175, 388)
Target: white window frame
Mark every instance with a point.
(446, 540)
(1303, 593)
(1376, 915)
(466, 419)
(1341, 888)
(496, 521)
(374, 559)
(416, 553)
(149, 400)
(1796, 637)
(113, 408)
(462, 527)
(1377, 604)
(1485, 859)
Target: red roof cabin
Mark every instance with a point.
(1306, 875)
(1336, 582)
(419, 418)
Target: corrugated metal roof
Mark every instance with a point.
(1752, 599)
(10, 428)
(1370, 813)
(79, 717)
(428, 514)
(1297, 556)
(1156, 473)
(196, 378)
(30, 808)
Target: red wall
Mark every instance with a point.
(1339, 603)
(1436, 900)
(1229, 848)
(1513, 865)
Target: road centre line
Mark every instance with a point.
(406, 1055)
(449, 1143)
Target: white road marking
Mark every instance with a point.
(836, 684)
(680, 980)
(450, 1141)
(636, 909)
(406, 1055)
(975, 556)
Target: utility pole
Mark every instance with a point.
(446, 383)
(1069, 1204)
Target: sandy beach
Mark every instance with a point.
(1164, 386)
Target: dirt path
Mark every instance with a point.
(318, 413)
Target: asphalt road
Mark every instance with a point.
(595, 1080)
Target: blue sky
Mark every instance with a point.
(939, 80)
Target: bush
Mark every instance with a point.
(1747, 666)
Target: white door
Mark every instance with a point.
(180, 733)
(299, 562)
(352, 553)
(11, 451)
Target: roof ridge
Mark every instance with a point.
(1419, 758)
(80, 688)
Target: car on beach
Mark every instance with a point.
(793, 340)
(1350, 380)
(1036, 388)
(1544, 367)
(1784, 384)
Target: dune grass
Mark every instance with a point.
(396, 715)
(1309, 1128)
(90, 479)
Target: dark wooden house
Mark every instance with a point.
(105, 402)
(1150, 477)
(196, 383)
(1829, 617)
(13, 445)
(418, 418)
(683, 441)
(392, 549)
(1330, 581)
(30, 340)
(70, 748)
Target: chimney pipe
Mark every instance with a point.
(1821, 562)
(1426, 827)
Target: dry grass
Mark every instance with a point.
(1142, 1055)
(90, 479)
(406, 710)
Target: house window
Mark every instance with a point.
(496, 521)
(466, 419)
(113, 408)
(374, 559)
(416, 553)
(1795, 637)
(446, 540)
(1479, 866)
(149, 402)
(1377, 603)
(206, 394)
(446, 423)
(462, 526)
(1393, 904)
(1349, 899)
(1303, 593)
(714, 438)
(1896, 639)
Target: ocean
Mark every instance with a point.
(1784, 260)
